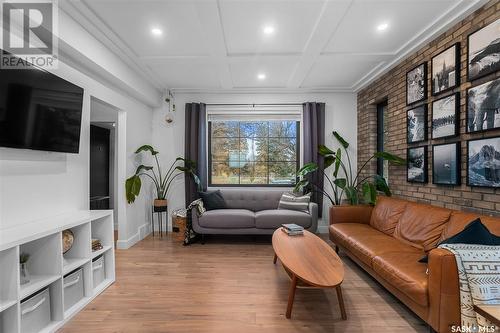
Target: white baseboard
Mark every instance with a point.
(141, 233)
(144, 230)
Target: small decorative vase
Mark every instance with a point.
(24, 274)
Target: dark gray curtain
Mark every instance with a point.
(195, 147)
(314, 135)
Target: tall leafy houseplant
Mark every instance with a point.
(162, 181)
(347, 183)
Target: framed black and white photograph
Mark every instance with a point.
(483, 162)
(417, 164)
(483, 107)
(445, 69)
(445, 116)
(416, 124)
(483, 55)
(416, 84)
(446, 164)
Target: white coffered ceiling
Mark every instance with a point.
(215, 45)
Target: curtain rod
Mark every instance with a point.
(253, 104)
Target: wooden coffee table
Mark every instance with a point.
(490, 312)
(310, 263)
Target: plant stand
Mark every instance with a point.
(159, 217)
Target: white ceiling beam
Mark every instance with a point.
(210, 19)
(103, 64)
(330, 17)
(90, 21)
(250, 56)
(374, 54)
(175, 57)
(264, 54)
(263, 90)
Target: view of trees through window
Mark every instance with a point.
(253, 152)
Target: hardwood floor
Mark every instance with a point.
(231, 285)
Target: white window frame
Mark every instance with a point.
(255, 112)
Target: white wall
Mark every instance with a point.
(169, 138)
(37, 185)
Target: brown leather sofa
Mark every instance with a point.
(387, 240)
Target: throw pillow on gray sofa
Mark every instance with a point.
(293, 202)
(213, 200)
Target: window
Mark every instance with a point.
(258, 153)
(382, 165)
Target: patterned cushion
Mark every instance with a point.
(198, 205)
(293, 202)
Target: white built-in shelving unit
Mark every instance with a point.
(47, 266)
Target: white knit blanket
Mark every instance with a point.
(479, 279)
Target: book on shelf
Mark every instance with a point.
(293, 227)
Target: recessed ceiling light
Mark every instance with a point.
(383, 26)
(261, 76)
(156, 31)
(268, 29)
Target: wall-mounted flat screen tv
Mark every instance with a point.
(39, 110)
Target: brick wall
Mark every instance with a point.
(392, 86)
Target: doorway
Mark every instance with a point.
(101, 164)
(107, 162)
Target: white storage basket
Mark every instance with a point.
(98, 271)
(35, 312)
(73, 288)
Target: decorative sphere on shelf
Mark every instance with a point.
(67, 240)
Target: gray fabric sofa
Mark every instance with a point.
(252, 212)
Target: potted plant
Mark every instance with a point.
(162, 181)
(348, 183)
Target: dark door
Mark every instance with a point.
(99, 167)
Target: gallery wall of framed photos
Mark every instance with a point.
(444, 116)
